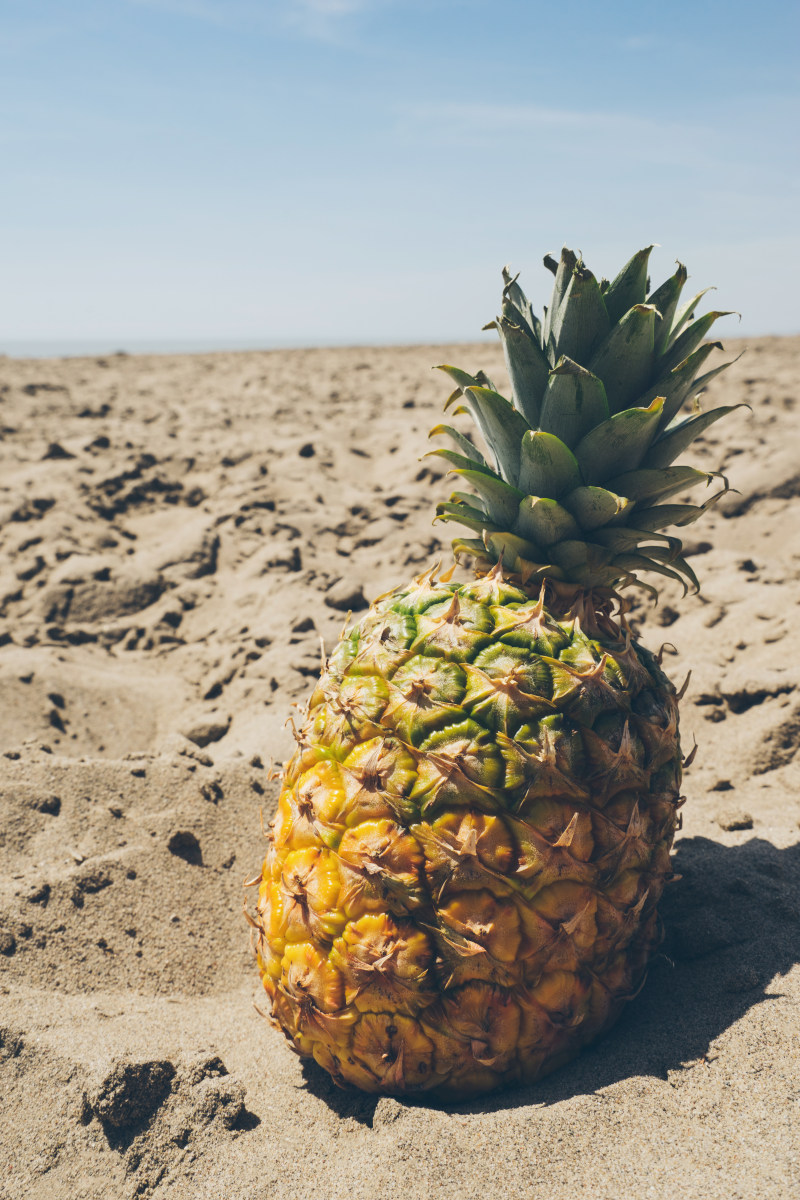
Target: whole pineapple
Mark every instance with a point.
(474, 831)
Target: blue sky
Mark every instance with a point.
(360, 170)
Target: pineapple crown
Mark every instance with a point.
(583, 459)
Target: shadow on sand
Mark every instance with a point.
(732, 924)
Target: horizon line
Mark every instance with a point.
(94, 347)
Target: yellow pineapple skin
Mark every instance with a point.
(470, 842)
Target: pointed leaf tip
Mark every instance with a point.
(690, 339)
(629, 287)
(547, 466)
(501, 425)
(624, 358)
(527, 368)
(500, 500)
(566, 265)
(574, 402)
(665, 298)
(618, 444)
(582, 320)
(677, 438)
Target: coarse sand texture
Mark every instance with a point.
(177, 533)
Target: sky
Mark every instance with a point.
(298, 172)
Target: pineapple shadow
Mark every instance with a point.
(732, 925)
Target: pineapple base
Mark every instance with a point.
(470, 844)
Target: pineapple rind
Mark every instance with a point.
(471, 841)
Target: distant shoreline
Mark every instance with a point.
(109, 347)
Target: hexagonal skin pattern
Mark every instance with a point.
(470, 844)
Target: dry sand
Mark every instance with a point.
(177, 534)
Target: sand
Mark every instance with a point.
(178, 533)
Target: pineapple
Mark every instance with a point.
(472, 837)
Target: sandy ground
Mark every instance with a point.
(178, 533)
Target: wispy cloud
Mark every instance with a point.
(494, 118)
(326, 20)
(215, 12)
(311, 18)
(476, 124)
(638, 41)
(331, 8)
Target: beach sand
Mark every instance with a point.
(178, 533)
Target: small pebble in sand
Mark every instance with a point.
(346, 596)
(185, 845)
(734, 818)
(130, 1092)
(203, 733)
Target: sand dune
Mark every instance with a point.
(178, 535)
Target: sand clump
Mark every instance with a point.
(179, 534)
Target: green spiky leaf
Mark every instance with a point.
(547, 466)
(593, 507)
(464, 514)
(545, 521)
(686, 313)
(474, 546)
(665, 298)
(581, 322)
(469, 499)
(679, 383)
(500, 500)
(461, 378)
(640, 562)
(630, 286)
(624, 359)
(676, 438)
(574, 402)
(648, 485)
(624, 540)
(618, 444)
(514, 550)
(460, 461)
(566, 266)
(513, 293)
(464, 444)
(502, 427)
(691, 337)
(677, 562)
(582, 560)
(703, 381)
(527, 367)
